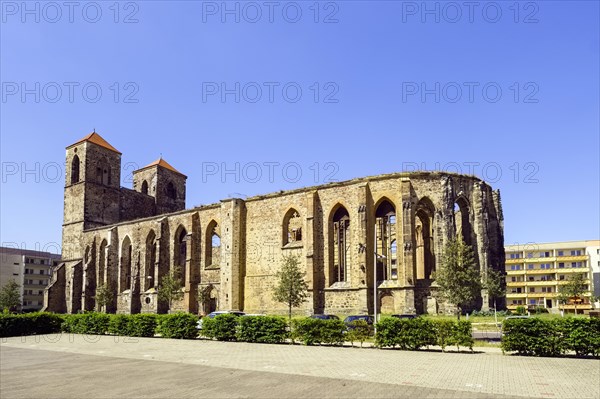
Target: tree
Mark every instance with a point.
(103, 297)
(572, 290)
(170, 288)
(458, 277)
(10, 296)
(495, 284)
(291, 288)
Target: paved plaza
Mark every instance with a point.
(73, 366)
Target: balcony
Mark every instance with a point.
(540, 283)
(563, 282)
(540, 271)
(516, 283)
(579, 306)
(568, 258)
(572, 270)
(515, 272)
(516, 295)
(541, 294)
(539, 260)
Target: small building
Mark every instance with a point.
(535, 273)
(31, 269)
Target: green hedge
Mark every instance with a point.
(262, 329)
(222, 327)
(540, 337)
(86, 323)
(136, 325)
(316, 331)
(14, 325)
(178, 325)
(414, 334)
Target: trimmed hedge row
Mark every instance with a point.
(13, 325)
(178, 325)
(261, 329)
(414, 334)
(317, 331)
(539, 337)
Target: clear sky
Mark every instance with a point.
(254, 97)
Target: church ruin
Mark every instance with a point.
(126, 240)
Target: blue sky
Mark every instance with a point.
(331, 90)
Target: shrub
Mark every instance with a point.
(360, 331)
(462, 334)
(262, 329)
(119, 325)
(520, 310)
(136, 325)
(177, 325)
(444, 333)
(387, 332)
(316, 331)
(12, 325)
(582, 335)
(143, 325)
(86, 323)
(413, 334)
(409, 334)
(332, 331)
(222, 327)
(533, 336)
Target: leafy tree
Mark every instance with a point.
(10, 296)
(291, 288)
(103, 297)
(170, 288)
(458, 276)
(495, 284)
(573, 289)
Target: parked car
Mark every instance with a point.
(324, 316)
(215, 314)
(405, 316)
(348, 320)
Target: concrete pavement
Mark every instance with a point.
(105, 366)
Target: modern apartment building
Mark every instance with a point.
(535, 272)
(32, 270)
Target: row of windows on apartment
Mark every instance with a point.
(520, 302)
(542, 278)
(546, 254)
(39, 282)
(32, 303)
(531, 289)
(33, 292)
(561, 265)
(541, 289)
(33, 261)
(31, 271)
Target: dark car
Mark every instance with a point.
(324, 316)
(405, 316)
(348, 320)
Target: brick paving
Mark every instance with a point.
(250, 370)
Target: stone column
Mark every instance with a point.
(309, 247)
(232, 257)
(406, 248)
(362, 272)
